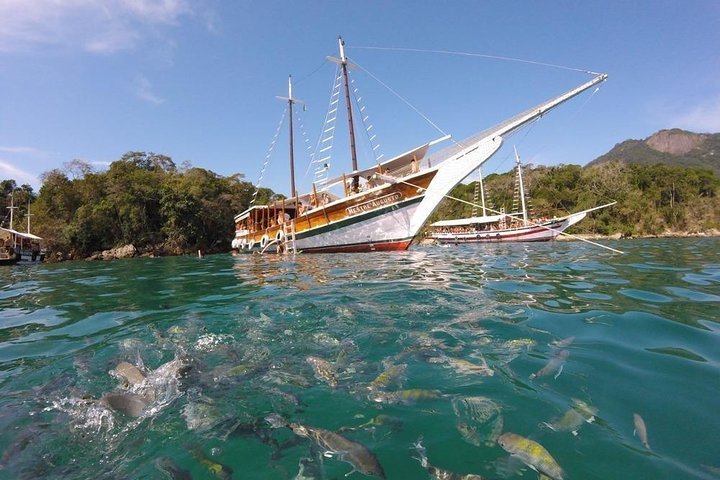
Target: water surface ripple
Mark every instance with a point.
(455, 345)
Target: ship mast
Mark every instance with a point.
(522, 188)
(28, 215)
(12, 208)
(353, 152)
(291, 101)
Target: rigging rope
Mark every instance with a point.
(267, 157)
(481, 55)
(402, 98)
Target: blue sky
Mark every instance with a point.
(197, 79)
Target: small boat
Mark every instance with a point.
(7, 256)
(380, 208)
(502, 227)
(23, 246)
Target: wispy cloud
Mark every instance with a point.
(9, 171)
(704, 117)
(96, 26)
(144, 91)
(21, 150)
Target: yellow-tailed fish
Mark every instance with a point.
(532, 454)
(216, 468)
(389, 375)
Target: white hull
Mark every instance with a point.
(538, 232)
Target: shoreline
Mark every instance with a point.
(131, 251)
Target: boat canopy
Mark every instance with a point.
(29, 236)
(460, 222)
(398, 166)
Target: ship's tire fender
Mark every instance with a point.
(264, 241)
(250, 244)
(280, 236)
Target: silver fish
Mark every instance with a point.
(356, 454)
(556, 364)
(641, 430)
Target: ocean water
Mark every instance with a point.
(450, 345)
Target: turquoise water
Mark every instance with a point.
(640, 331)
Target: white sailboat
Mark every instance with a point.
(502, 227)
(383, 207)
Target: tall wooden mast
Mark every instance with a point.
(353, 152)
(291, 101)
(292, 151)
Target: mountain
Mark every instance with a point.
(669, 147)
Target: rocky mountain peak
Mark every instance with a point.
(675, 141)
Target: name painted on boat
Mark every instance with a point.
(374, 203)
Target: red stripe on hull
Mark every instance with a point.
(362, 247)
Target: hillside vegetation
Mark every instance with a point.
(142, 199)
(667, 183)
(651, 199)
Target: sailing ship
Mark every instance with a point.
(19, 247)
(504, 227)
(381, 208)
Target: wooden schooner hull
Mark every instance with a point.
(379, 219)
(382, 207)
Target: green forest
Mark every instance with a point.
(146, 200)
(651, 199)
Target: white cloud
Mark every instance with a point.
(21, 150)
(144, 91)
(701, 118)
(97, 26)
(9, 171)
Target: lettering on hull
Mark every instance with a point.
(374, 203)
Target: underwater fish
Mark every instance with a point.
(324, 371)
(216, 468)
(129, 373)
(532, 454)
(465, 367)
(167, 466)
(641, 430)
(469, 433)
(479, 419)
(573, 419)
(129, 404)
(556, 364)
(406, 397)
(387, 376)
(436, 472)
(356, 454)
